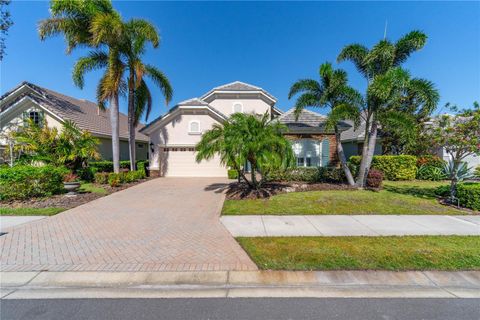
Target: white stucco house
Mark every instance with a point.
(173, 136)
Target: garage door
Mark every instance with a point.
(183, 164)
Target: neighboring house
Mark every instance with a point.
(352, 140)
(173, 136)
(37, 103)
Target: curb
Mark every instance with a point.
(373, 284)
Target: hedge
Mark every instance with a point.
(107, 166)
(24, 182)
(468, 195)
(311, 175)
(402, 167)
(115, 179)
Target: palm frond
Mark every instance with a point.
(305, 85)
(411, 42)
(355, 53)
(161, 81)
(93, 61)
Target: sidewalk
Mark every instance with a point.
(234, 284)
(354, 225)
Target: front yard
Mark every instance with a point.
(403, 197)
(365, 253)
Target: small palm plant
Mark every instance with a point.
(249, 138)
(456, 173)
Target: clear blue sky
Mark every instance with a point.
(206, 44)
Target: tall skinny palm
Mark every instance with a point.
(374, 64)
(331, 92)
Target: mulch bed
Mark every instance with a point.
(241, 191)
(64, 201)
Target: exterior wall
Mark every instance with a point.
(225, 106)
(472, 161)
(105, 149)
(334, 162)
(353, 148)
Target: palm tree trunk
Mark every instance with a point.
(131, 121)
(115, 134)
(371, 145)
(343, 160)
(363, 163)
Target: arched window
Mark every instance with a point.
(237, 107)
(194, 127)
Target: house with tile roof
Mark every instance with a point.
(173, 136)
(34, 102)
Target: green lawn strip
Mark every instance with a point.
(30, 211)
(90, 187)
(397, 198)
(365, 253)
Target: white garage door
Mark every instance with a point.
(183, 164)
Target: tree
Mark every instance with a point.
(381, 67)
(331, 92)
(5, 24)
(92, 23)
(250, 138)
(69, 147)
(137, 33)
(459, 136)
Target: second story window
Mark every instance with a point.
(237, 107)
(194, 127)
(35, 117)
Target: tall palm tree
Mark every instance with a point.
(381, 65)
(92, 23)
(332, 91)
(137, 33)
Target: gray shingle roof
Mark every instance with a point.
(193, 102)
(307, 121)
(353, 134)
(84, 113)
(239, 86)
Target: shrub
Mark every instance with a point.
(443, 191)
(232, 174)
(477, 172)
(429, 172)
(87, 174)
(23, 182)
(101, 177)
(114, 179)
(310, 175)
(374, 178)
(70, 177)
(403, 167)
(468, 195)
(430, 160)
(107, 166)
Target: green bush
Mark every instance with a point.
(477, 172)
(310, 175)
(468, 195)
(107, 166)
(443, 191)
(101, 177)
(114, 179)
(430, 160)
(403, 167)
(430, 172)
(87, 174)
(23, 182)
(232, 174)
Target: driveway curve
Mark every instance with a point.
(165, 224)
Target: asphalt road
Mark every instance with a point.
(252, 309)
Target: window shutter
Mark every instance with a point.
(25, 117)
(325, 152)
(41, 118)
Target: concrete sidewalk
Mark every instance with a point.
(12, 221)
(221, 284)
(354, 225)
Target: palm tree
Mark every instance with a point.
(381, 66)
(137, 33)
(92, 23)
(332, 92)
(249, 138)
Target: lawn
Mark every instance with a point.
(90, 187)
(30, 211)
(412, 197)
(365, 253)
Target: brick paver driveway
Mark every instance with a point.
(163, 224)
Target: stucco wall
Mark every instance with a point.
(225, 106)
(351, 148)
(105, 149)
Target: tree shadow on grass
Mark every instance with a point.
(419, 192)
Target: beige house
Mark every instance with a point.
(174, 135)
(37, 103)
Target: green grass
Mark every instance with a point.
(365, 253)
(413, 197)
(30, 211)
(90, 187)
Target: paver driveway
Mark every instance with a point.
(163, 224)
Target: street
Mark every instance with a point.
(252, 308)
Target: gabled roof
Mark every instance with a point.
(308, 121)
(193, 102)
(238, 86)
(83, 112)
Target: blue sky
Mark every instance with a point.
(269, 44)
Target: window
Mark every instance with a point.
(194, 127)
(307, 152)
(35, 117)
(237, 107)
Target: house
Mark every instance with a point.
(352, 140)
(173, 136)
(34, 102)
